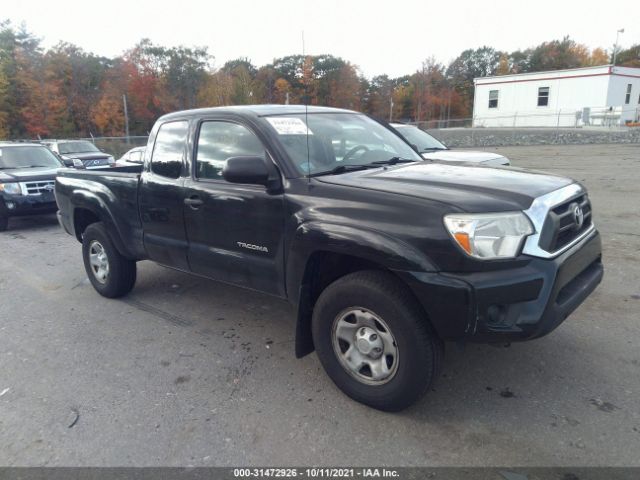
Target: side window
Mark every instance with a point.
(168, 150)
(493, 98)
(543, 96)
(627, 97)
(219, 141)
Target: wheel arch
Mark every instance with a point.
(89, 208)
(341, 250)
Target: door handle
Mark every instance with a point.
(194, 202)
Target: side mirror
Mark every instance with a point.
(252, 170)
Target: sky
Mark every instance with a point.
(379, 37)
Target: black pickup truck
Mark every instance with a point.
(385, 255)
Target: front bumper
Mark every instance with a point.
(514, 304)
(22, 205)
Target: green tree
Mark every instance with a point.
(629, 57)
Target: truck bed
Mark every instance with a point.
(109, 195)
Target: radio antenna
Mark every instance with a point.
(306, 106)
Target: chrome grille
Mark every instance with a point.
(562, 220)
(554, 221)
(36, 188)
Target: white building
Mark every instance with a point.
(604, 95)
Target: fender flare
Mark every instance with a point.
(367, 244)
(371, 245)
(91, 201)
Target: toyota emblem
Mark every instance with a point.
(578, 217)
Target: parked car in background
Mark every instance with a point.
(27, 180)
(76, 151)
(432, 149)
(135, 156)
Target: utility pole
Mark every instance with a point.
(390, 106)
(615, 47)
(449, 107)
(126, 116)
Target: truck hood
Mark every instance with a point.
(461, 156)
(28, 174)
(470, 188)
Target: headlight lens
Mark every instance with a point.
(11, 188)
(489, 235)
(78, 163)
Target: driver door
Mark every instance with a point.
(235, 231)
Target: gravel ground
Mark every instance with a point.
(187, 371)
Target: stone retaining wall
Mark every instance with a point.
(489, 137)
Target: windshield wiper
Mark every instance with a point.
(342, 169)
(393, 161)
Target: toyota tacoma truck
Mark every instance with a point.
(385, 255)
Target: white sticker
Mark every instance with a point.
(289, 126)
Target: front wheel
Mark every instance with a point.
(111, 274)
(374, 340)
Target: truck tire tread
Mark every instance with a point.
(122, 271)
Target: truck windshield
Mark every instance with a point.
(76, 147)
(336, 140)
(27, 157)
(421, 139)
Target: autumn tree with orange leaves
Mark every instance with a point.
(67, 92)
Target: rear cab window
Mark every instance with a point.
(168, 151)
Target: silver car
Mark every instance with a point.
(432, 149)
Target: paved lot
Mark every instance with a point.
(191, 372)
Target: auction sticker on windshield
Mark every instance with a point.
(289, 126)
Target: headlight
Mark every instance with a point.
(489, 235)
(78, 163)
(11, 188)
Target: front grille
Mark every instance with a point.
(560, 227)
(36, 188)
(96, 162)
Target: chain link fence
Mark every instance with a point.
(590, 125)
(117, 146)
(596, 126)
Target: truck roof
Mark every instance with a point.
(256, 110)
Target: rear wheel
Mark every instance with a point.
(111, 274)
(4, 224)
(374, 341)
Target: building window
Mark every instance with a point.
(627, 97)
(493, 98)
(543, 96)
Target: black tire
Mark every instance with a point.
(121, 272)
(4, 224)
(419, 350)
